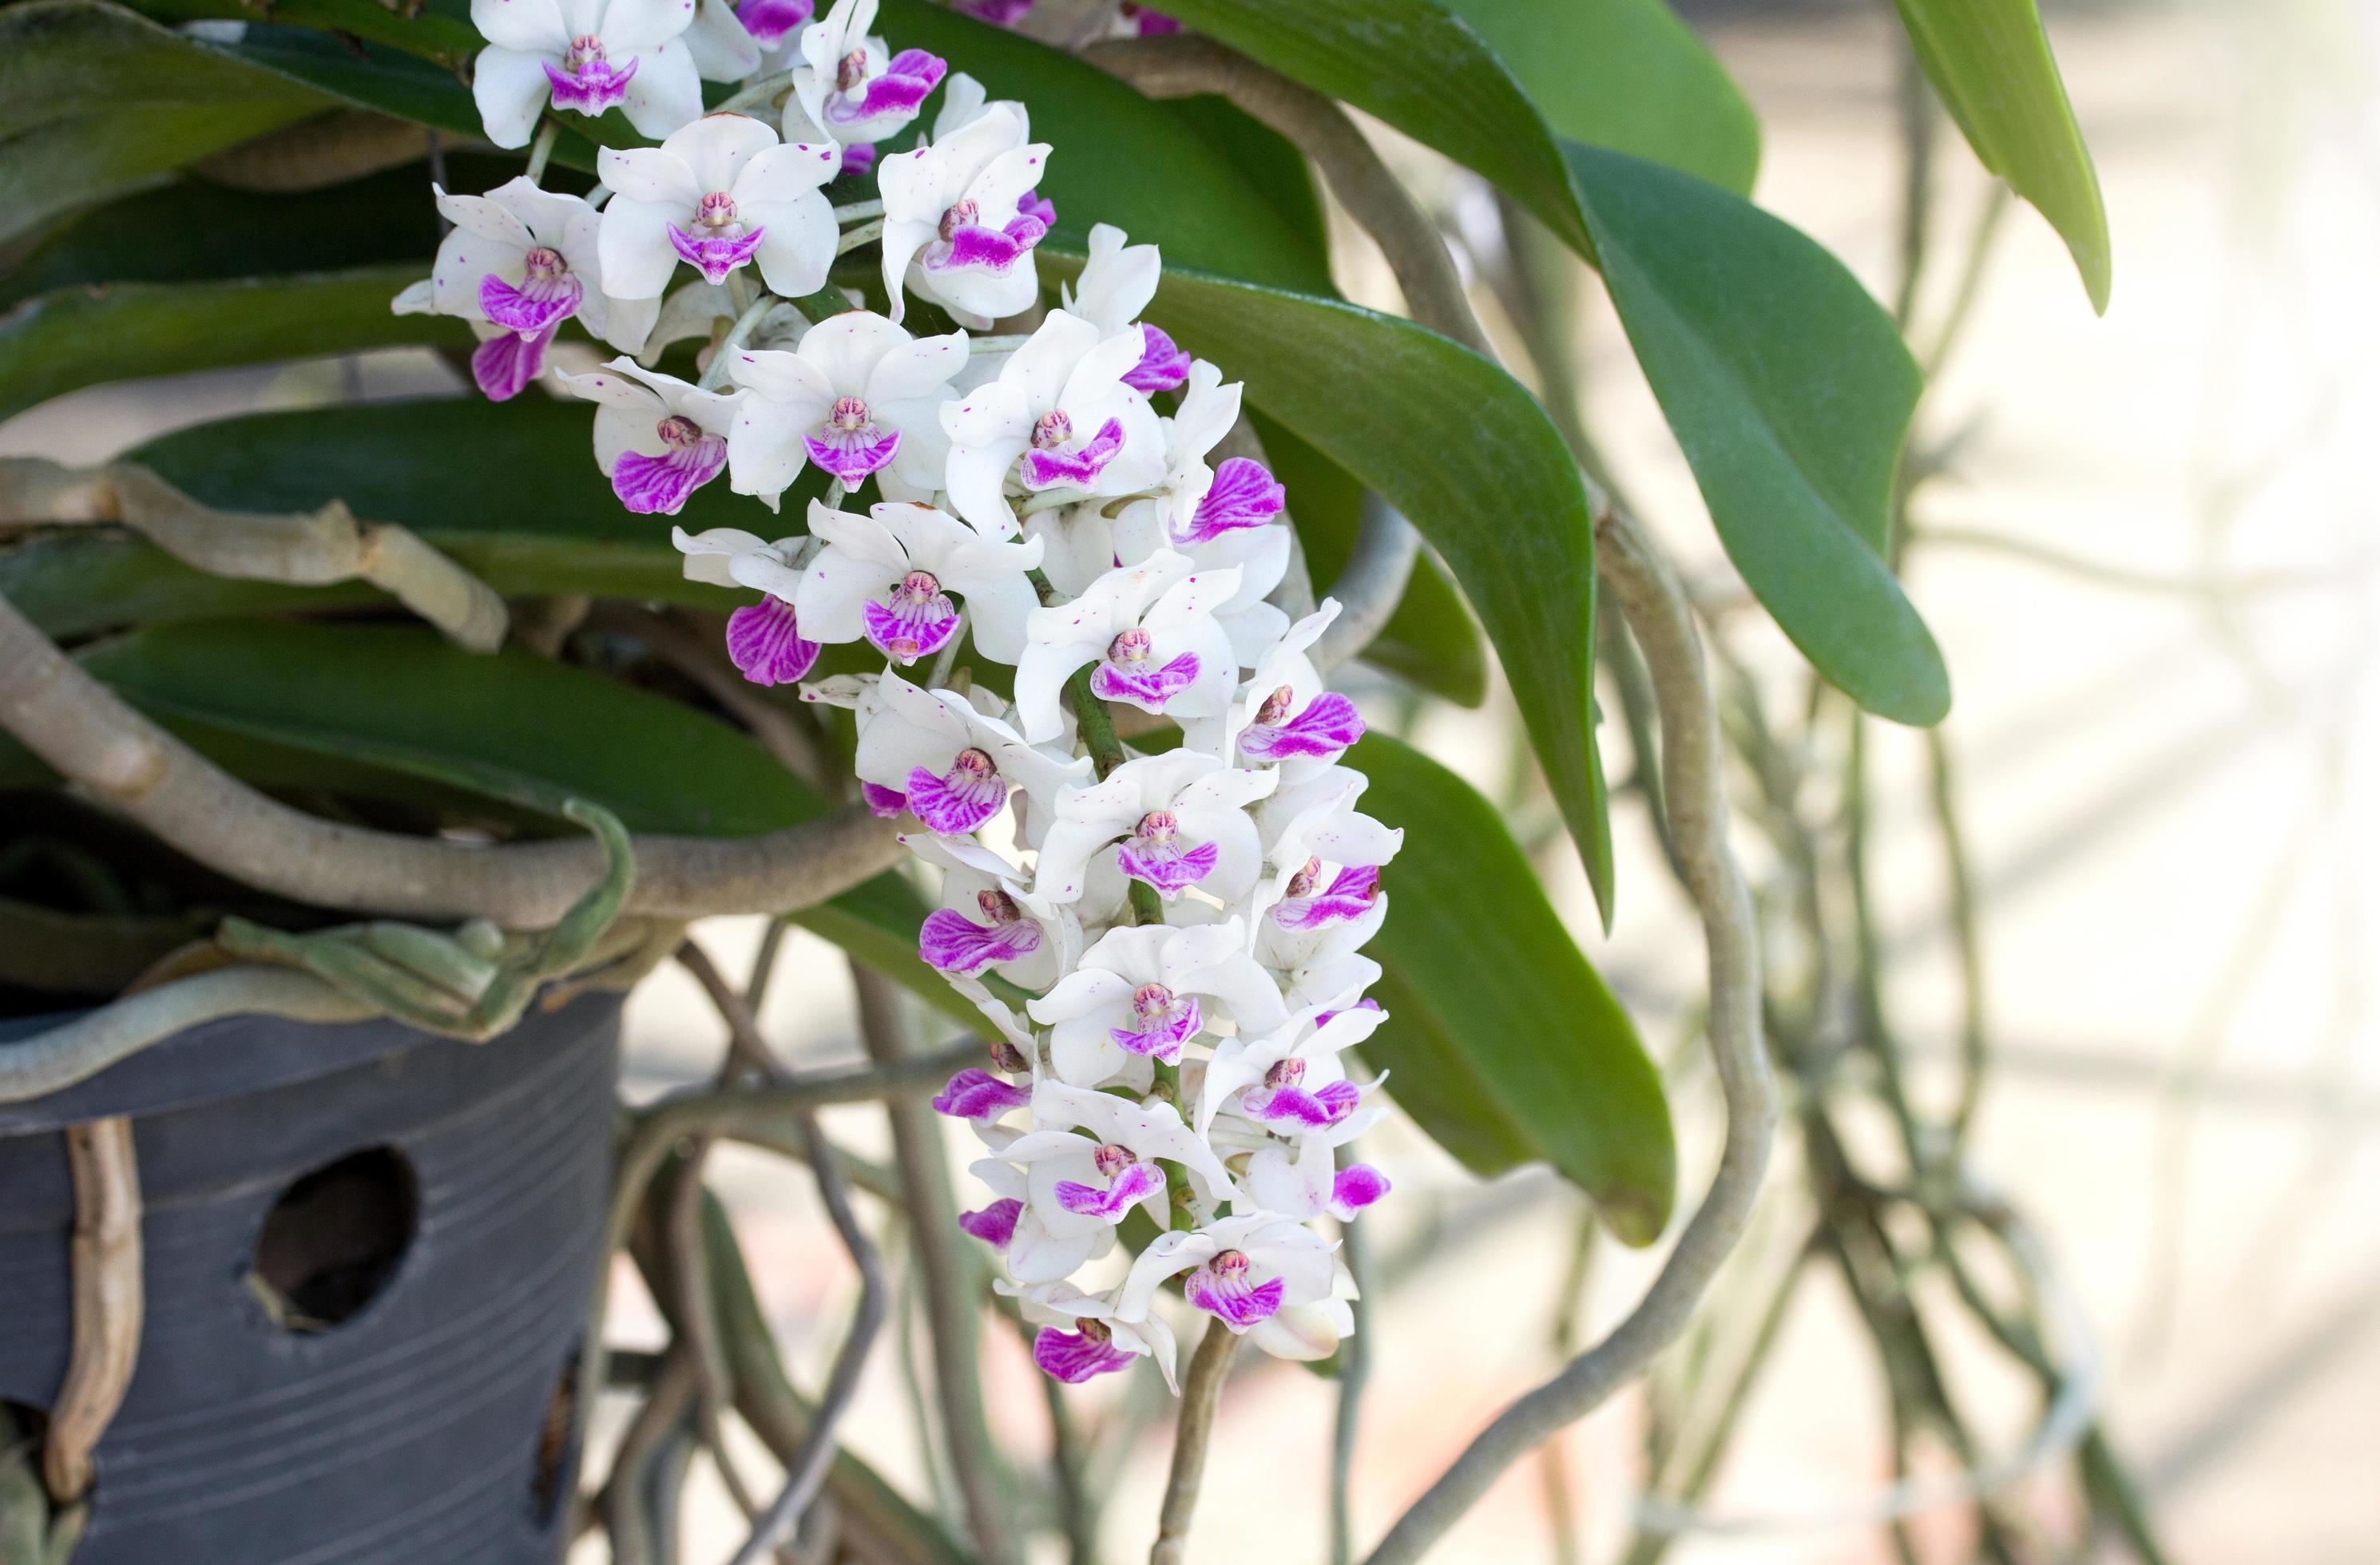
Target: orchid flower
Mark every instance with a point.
(954, 227)
(1306, 1182)
(889, 576)
(1150, 631)
(522, 261)
(998, 13)
(586, 55)
(1138, 992)
(718, 194)
(1181, 819)
(989, 919)
(657, 438)
(1090, 1160)
(1284, 714)
(954, 764)
(1116, 283)
(1100, 1343)
(850, 85)
(859, 397)
(765, 638)
(1244, 1270)
(1289, 1081)
(1203, 504)
(767, 22)
(1059, 418)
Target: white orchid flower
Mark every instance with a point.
(1151, 630)
(1289, 1079)
(1242, 1270)
(955, 223)
(954, 764)
(722, 40)
(858, 397)
(586, 55)
(1116, 283)
(718, 194)
(1090, 1160)
(522, 261)
(1283, 714)
(657, 438)
(1059, 418)
(991, 919)
(1100, 1341)
(765, 638)
(888, 575)
(1181, 819)
(850, 85)
(1137, 992)
(1306, 1182)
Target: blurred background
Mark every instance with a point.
(2088, 970)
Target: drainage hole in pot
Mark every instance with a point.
(553, 1436)
(334, 1239)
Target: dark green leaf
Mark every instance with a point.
(1430, 639)
(1791, 392)
(517, 727)
(69, 338)
(449, 41)
(95, 101)
(1457, 445)
(1628, 75)
(1990, 61)
(1503, 1043)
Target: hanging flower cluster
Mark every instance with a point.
(1165, 942)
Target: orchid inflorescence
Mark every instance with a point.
(1165, 944)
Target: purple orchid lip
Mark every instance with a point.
(1161, 1024)
(1163, 366)
(1150, 691)
(1350, 895)
(1137, 1183)
(1037, 207)
(976, 1094)
(915, 623)
(769, 21)
(909, 76)
(849, 445)
(660, 485)
(996, 1224)
(858, 160)
(1047, 469)
(587, 84)
(1221, 1289)
(1355, 1188)
(502, 366)
(715, 255)
(998, 13)
(1293, 1105)
(959, 801)
(884, 803)
(548, 294)
(951, 942)
(767, 644)
(1329, 724)
(1076, 1356)
(1150, 853)
(966, 244)
(1242, 495)
(1322, 1018)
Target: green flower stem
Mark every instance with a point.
(759, 94)
(866, 234)
(716, 374)
(541, 149)
(857, 210)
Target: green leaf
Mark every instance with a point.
(1990, 61)
(69, 338)
(1431, 639)
(516, 727)
(449, 41)
(1791, 392)
(1502, 1041)
(95, 101)
(1461, 450)
(1628, 75)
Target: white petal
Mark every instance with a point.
(630, 26)
(905, 369)
(635, 245)
(723, 49)
(764, 445)
(665, 95)
(510, 89)
(522, 26)
(716, 147)
(797, 242)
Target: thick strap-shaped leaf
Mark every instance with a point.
(1625, 74)
(365, 709)
(1502, 1041)
(1990, 61)
(95, 101)
(1789, 391)
(69, 338)
(1781, 385)
(1463, 451)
